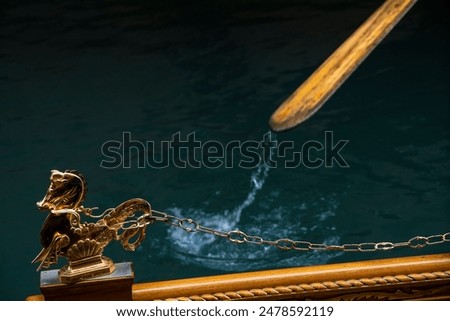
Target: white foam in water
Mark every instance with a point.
(213, 252)
(226, 221)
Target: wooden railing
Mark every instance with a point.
(406, 278)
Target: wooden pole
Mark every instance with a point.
(316, 90)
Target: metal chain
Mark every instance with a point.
(239, 237)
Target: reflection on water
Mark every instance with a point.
(74, 75)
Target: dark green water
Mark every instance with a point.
(75, 75)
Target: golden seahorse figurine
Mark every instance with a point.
(63, 233)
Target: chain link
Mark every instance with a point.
(238, 237)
